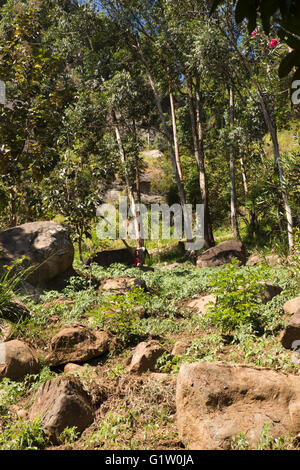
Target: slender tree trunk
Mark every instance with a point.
(234, 221)
(176, 147)
(13, 214)
(243, 171)
(208, 236)
(273, 132)
(140, 241)
(203, 184)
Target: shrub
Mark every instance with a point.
(239, 298)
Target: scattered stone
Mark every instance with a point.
(221, 254)
(121, 285)
(62, 402)
(145, 356)
(292, 306)
(202, 304)
(216, 401)
(180, 348)
(270, 291)
(17, 359)
(80, 371)
(253, 260)
(46, 245)
(77, 344)
(291, 334)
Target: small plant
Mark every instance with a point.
(168, 363)
(69, 435)
(10, 278)
(239, 297)
(10, 392)
(267, 442)
(23, 435)
(117, 371)
(119, 313)
(239, 442)
(113, 431)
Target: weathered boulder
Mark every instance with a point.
(292, 306)
(62, 402)
(77, 344)
(180, 347)
(46, 245)
(290, 338)
(121, 285)
(270, 291)
(145, 356)
(107, 257)
(216, 401)
(202, 304)
(79, 371)
(221, 254)
(17, 359)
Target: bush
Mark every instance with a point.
(239, 298)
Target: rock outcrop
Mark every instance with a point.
(221, 254)
(77, 344)
(217, 401)
(62, 402)
(45, 245)
(17, 359)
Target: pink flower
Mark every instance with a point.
(273, 43)
(254, 33)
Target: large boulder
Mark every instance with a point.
(77, 344)
(46, 245)
(62, 402)
(17, 359)
(217, 401)
(145, 356)
(292, 306)
(107, 257)
(290, 338)
(221, 254)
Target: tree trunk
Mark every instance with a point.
(234, 221)
(273, 132)
(177, 156)
(208, 236)
(140, 241)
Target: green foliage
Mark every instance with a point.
(23, 435)
(239, 442)
(69, 435)
(283, 12)
(239, 297)
(267, 442)
(10, 278)
(120, 313)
